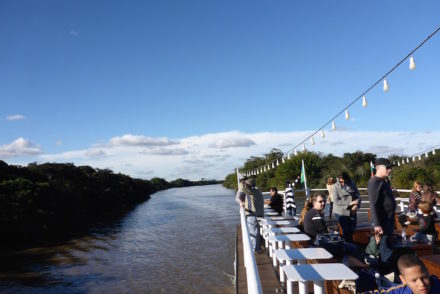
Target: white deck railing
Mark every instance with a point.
(252, 276)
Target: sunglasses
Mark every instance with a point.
(321, 201)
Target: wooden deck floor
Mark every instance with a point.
(268, 277)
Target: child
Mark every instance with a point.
(426, 223)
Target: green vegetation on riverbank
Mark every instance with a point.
(319, 167)
(51, 199)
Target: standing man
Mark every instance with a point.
(276, 201)
(254, 207)
(383, 208)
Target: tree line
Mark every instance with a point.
(319, 167)
(48, 200)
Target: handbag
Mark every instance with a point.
(333, 243)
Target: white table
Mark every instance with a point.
(318, 273)
(271, 213)
(283, 242)
(299, 255)
(268, 224)
(281, 217)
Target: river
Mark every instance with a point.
(180, 241)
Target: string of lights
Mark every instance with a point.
(383, 78)
(417, 156)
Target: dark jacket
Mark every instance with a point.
(382, 202)
(276, 203)
(314, 223)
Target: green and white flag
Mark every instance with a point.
(304, 178)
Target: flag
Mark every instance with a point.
(304, 178)
(303, 173)
(372, 168)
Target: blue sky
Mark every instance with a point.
(193, 88)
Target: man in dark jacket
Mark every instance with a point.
(383, 207)
(276, 200)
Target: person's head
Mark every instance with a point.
(427, 188)
(383, 167)
(288, 183)
(318, 202)
(250, 182)
(414, 274)
(330, 181)
(425, 206)
(273, 191)
(344, 178)
(417, 187)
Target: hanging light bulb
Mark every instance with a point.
(288, 156)
(420, 157)
(426, 154)
(433, 151)
(283, 160)
(312, 141)
(347, 115)
(414, 158)
(364, 101)
(268, 167)
(403, 161)
(278, 163)
(407, 160)
(322, 134)
(412, 64)
(398, 163)
(273, 165)
(385, 85)
(264, 168)
(304, 147)
(296, 152)
(333, 126)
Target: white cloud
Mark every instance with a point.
(232, 142)
(165, 151)
(15, 117)
(136, 140)
(19, 147)
(193, 157)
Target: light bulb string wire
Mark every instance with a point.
(421, 153)
(357, 99)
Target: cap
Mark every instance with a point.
(383, 161)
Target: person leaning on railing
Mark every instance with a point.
(252, 200)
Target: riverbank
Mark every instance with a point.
(50, 202)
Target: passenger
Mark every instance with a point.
(276, 201)
(415, 278)
(383, 208)
(314, 224)
(426, 229)
(330, 185)
(308, 204)
(254, 207)
(415, 197)
(430, 195)
(289, 199)
(346, 199)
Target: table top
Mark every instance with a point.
(284, 230)
(302, 253)
(319, 272)
(270, 222)
(289, 237)
(270, 213)
(279, 217)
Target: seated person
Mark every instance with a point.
(426, 229)
(276, 200)
(414, 276)
(314, 224)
